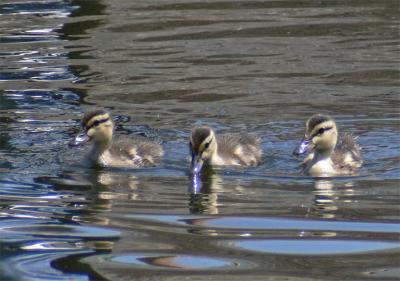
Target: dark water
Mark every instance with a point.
(161, 67)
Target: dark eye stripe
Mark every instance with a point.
(207, 145)
(97, 122)
(321, 131)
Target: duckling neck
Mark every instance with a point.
(99, 149)
(321, 163)
(215, 158)
(322, 154)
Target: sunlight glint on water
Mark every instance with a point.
(162, 67)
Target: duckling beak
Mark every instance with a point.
(197, 164)
(302, 147)
(80, 139)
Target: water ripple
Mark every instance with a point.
(47, 8)
(172, 261)
(307, 247)
(162, 67)
(13, 228)
(37, 266)
(248, 225)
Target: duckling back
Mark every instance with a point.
(347, 153)
(137, 151)
(243, 149)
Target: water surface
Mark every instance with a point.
(161, 67)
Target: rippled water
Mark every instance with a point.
(161, 67)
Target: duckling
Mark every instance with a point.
(228, 149)
(98, 127)
(330, 154)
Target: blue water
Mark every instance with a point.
(161, 67)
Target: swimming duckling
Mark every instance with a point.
(98, 127)
(228, 149)
(330, 154)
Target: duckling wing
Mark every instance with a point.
(243, 149)
(151, 152)
(347, 153)
(140, 150)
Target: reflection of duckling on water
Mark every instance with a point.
(98, 127)
(228, 149)
(330, 154)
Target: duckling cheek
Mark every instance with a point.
(330, 140)
(322, 142)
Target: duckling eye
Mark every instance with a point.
(206, 145)
(323, 130)
(96, 123)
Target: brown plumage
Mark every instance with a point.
(138, 150)
(347, 145)
(244, 148)
(108, 151)
(330, 153)
(228, 149)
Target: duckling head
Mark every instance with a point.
(203, 145)
(97, 126)
(320, 135)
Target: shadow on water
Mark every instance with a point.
(162, 67)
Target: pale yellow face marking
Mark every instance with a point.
(204, 152)
(326, 140)
(326, 124)
(97, 118)
(202, 146)
(103, 132)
